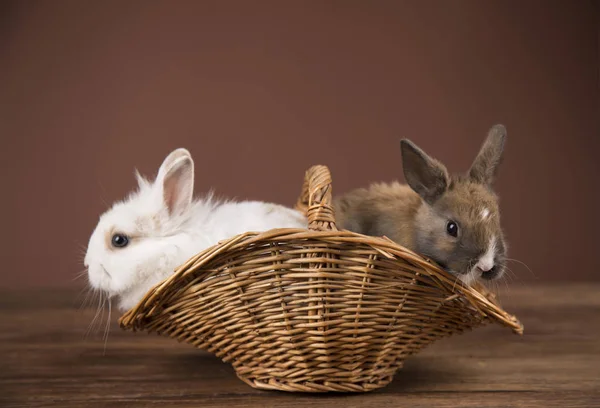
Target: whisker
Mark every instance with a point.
(81, 248)
(107, 331)
(522, 263)
(103, 192)
(79, 275)
(90, 298)
(455, 280)
(514, 277)
(84, 291)
(89, 328)
(494, 287)
(99, 307)
(81, 251)
(99, 324)
(506, 284)
(508, 274)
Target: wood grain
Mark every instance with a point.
(46, 362)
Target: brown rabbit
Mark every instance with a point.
(454, 220)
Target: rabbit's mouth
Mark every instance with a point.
(100, 279)
(467, 276)
(105, 271)
(462, 274)
(492, 274)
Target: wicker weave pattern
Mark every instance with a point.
(313, 310)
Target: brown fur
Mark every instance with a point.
(371, 211)
(416, 215)
(108, 239)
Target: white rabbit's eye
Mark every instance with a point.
(119, 240)
(452, 228)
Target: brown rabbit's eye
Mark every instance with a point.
(452, 228)
(119, 240)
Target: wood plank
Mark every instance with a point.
(47, 362)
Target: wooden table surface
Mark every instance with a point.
(45, 361)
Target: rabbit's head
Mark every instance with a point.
(136, 242)
(458, 224)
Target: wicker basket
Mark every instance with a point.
(313, 310)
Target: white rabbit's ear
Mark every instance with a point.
(176, 181)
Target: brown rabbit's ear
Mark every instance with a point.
(425, 175)
(176, 180)
(484, 168)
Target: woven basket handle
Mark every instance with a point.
(316, 201)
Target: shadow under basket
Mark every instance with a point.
(313, 310)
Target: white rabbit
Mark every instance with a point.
(141, 241)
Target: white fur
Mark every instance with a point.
(486, 262)
(469, 277)
(484, 214)
(161, 239)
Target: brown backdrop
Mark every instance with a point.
(259, 91)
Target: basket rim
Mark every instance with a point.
(477, 295)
